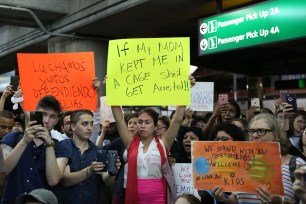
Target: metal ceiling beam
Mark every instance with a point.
(67, 23)
(55, 6)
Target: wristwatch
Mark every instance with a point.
(51, 144)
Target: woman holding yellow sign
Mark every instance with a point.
(149, 177)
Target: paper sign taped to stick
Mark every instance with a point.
(183, 180)
(148, 72)
(106, 111)
(66, 76)
(237, 166)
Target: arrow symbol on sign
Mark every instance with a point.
(203, 28)
(203, 46)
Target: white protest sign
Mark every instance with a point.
(183, 180)
(202, 97)
(106, 111)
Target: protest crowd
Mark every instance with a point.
(50, 155)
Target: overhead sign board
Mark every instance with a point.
(264, 23)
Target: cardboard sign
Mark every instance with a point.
(66, 76)
(202, 97)
(237, 166)
(106, 111)
(148, 72)
(183, 180)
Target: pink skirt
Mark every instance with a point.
(151, 191)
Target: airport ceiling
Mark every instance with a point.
(170, 18)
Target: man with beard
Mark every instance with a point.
(65, 123)
(111, 132)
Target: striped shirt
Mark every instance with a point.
(248, 198)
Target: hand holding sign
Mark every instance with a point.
(237, 166)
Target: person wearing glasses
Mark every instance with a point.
(162, 125)
(265, 128)
(227, 132)
(65, 124)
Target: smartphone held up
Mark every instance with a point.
(37, 116)
(109, 159)
(14, 82)
(222, 99)
(291, 99)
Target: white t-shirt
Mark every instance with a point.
(149, 163)
(58, 135)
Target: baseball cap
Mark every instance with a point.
(42, 195)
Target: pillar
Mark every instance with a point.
(100, 48)
(255, 87)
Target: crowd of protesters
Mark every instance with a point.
(60, 164)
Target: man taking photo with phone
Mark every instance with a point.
(30, 159)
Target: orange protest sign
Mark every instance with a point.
(66, 76)
(237, 166)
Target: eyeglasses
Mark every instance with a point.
(260, 132)
(200, 125)
(223, 138)
(160, 127)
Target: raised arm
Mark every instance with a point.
(213, 119)
(18, 94)
(169, 136)
(100, 140)
(96, 85)
(7, 92)
(125, 135)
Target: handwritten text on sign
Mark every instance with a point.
(237, 166)
(202, 96)
(152, 71)
(182, 173)
(106, 111)
(66, 76)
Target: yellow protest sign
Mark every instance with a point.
(148, 72)
(237, 166)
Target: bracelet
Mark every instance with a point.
(51, 144)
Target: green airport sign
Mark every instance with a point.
(267, 22)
